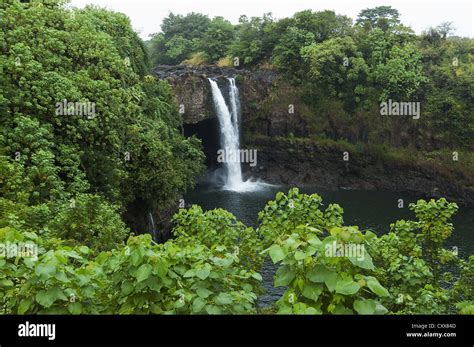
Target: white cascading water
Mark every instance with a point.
(230, 134)
(234, 103)
(154, 232)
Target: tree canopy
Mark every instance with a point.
(116, 140)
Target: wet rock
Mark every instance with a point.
(304, 164)
(191, 87)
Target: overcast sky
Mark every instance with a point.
(146, 15)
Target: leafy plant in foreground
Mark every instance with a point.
(218, 228)
(169, 278)
(322, 281)
(412, 263)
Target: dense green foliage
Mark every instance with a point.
(182, 36)
(218, 228)
(344, 70)
(67, 177)
(72, 171)
(405, 271)
(214, 268)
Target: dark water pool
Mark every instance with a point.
(368, 209)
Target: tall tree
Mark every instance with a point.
(382, 17)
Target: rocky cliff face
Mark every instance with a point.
(269, 105)
(305, 163)
(192, 89)
(272, 114)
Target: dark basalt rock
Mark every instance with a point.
(192, 88)
(265, 98)
(174, 71)
(193, 92)
(313, 165)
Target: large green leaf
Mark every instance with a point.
(341, 309)
(321, 273)
(314, 240)
(284, 308)
(376, 287)
(75, 308)
(213, 309)
(380, 309)
(45, 270)
(276, 253)
(224, 299)
(4, 282)
(46, 298)
(143, 272)
(136, 257)
(313, 310)
(365, 306)
(312, 291)
(198, 305)
(203, 292)
(300, 255)
(127, 287)
(331, 281)
(284, 276)
(24, 305)
(364, 263)
(204, 272)
(189, 273)
(318, 274)
(300, 308)
(347, 286)
(161, 268)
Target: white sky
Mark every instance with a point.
(146, 15)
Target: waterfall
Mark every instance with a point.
(230, 134)
(234, 104)
(154, 232)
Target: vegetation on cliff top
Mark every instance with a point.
(344, 70)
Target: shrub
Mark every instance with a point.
(89, 220)
(198, 58)
(225, 62)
